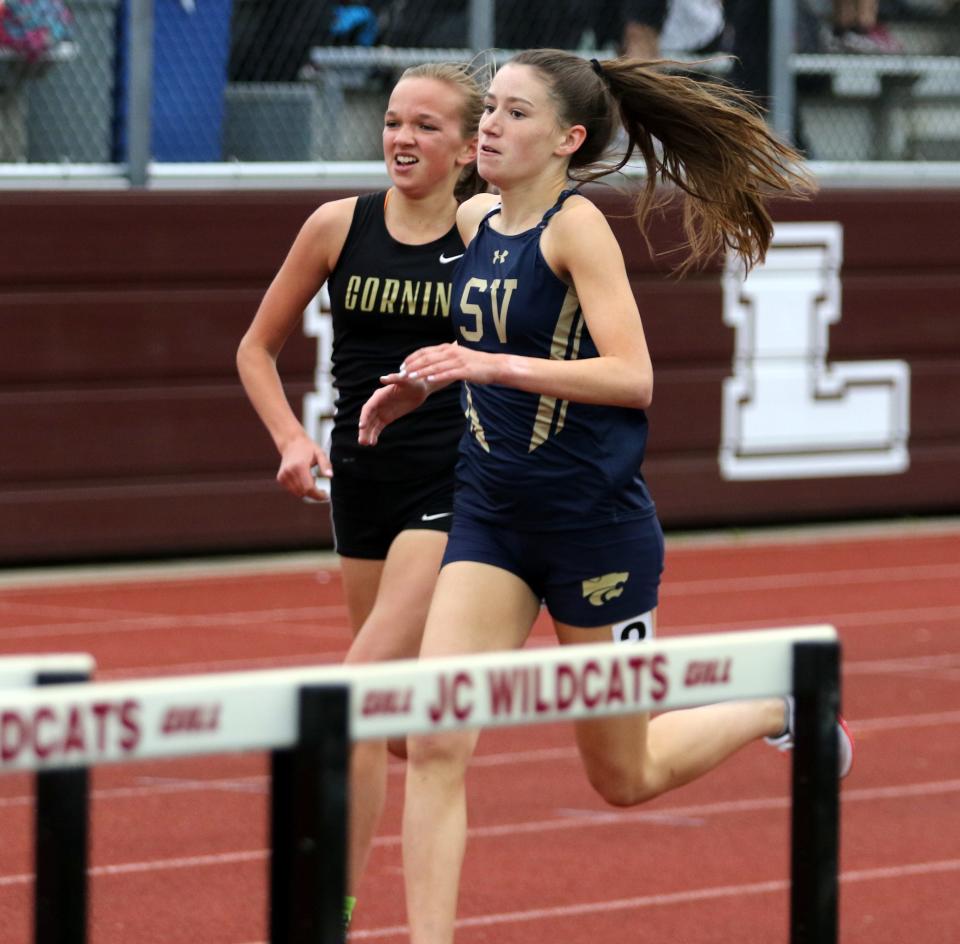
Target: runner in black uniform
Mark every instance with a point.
(389, 259)
(389, 298)
(551, 506)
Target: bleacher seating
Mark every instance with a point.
(901, 106)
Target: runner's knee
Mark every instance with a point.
(440, 750)
(620, 784)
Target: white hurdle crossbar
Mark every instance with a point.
(23, 671)
(62, 799)
(306, 718)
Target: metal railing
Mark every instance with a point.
(174, 103)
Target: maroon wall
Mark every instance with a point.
(124, 431)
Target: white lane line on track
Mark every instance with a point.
(843, 621)
(861, 726)
(259, 620)
(258, 784)
(590, 819)
(906, 665)
(228, 665)
(251, 621)
(56, 579)
(909, 614)
(947, 660)
(764, 583)
(594, 818)
(934, 719)
(266, 623)
(255, 784)
(133, 868)
(32, 608)
(320, 564)
(915, 573)
(670, 898)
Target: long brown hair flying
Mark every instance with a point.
(706, 138)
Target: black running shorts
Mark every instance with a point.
(368, 515)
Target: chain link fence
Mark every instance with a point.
(882, 87)
(57, 96)
(307, 80)
(310, 80)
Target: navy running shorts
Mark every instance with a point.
(585, 577)
(368, 514)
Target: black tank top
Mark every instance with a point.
(388, 299)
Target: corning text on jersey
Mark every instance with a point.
(398, 296)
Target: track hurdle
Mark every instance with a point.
(307, 717)
(62, 801)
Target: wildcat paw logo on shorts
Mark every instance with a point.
(600, 590)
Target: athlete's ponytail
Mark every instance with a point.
(706, 138)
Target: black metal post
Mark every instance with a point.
(61, 820)
(309, 823)
(816, 800)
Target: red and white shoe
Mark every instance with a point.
(785, 741)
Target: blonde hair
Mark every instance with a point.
(462, 77)
(713, 145)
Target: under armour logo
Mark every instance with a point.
(600, 590)
(500, 255)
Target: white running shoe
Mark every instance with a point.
(784, 742)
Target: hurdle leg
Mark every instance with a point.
(61, 820)
(816, 799)
(309, 823)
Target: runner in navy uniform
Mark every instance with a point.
(550, 505)
(388, 259)
(534, 463)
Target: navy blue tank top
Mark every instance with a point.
(531, 462)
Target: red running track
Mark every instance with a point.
(179, 848)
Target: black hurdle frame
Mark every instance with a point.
(61, 844)
(308, 822)
(815, 808)
(308, 825)
(309, 811)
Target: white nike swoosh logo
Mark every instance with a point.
(443, 514)
(445, 259)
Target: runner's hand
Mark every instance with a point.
(297, 464)
(399, 397)
(442, 364)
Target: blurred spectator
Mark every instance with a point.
(748, 29)
(271, 39)
(749, 22)
(856, 29)
(604, 20)
(691, 26)
(556, 24)
(427, 23)
(445, 23)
